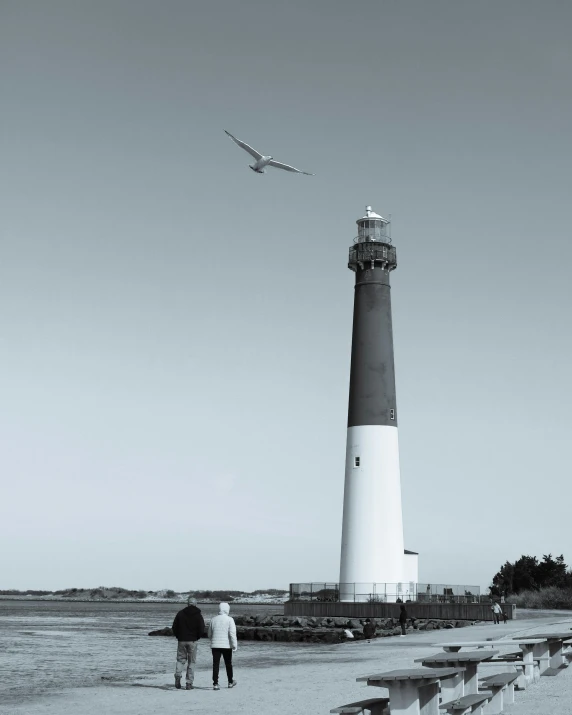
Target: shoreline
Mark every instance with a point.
(175, 601)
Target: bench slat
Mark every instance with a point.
(516, 661)
(413, 674)
(467, 701)
(467, 656)
(499, 679)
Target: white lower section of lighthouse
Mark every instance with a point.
(372, 531)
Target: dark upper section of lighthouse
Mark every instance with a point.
(372, 378)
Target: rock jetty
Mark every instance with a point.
(300, 629)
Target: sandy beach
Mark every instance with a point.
(305, 679)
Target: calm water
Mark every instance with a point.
(47, 647)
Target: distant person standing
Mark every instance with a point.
(188, 627)
(497, 611)
(402, 619)
(369, 629)
(504, 617)
(222, 635)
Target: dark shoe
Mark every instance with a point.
(232, 684)
(178, 682)
(216, 686)
(189, 686)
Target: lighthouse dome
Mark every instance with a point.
(372, 227)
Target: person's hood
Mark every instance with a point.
(192, 609)
(223, 608)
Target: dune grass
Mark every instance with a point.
(550, 597)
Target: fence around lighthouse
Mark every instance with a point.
(407, 592)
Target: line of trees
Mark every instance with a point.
(529, 574)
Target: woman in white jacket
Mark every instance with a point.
(222, 636)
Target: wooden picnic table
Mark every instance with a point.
(413, 691)
(526, 652)
(551, 650)
(469, 660)
(455, 647)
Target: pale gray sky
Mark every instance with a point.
(175, 329)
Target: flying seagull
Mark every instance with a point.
(261, 161)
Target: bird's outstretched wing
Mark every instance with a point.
(245, 146)
(287, 167)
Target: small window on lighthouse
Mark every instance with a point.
(356, 461)
(391, 414)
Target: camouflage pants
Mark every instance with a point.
(187, 653)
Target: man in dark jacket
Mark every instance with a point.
(402, 620)
(188, 628)
(369, 629)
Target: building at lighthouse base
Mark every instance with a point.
(411, 567)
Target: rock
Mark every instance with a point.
(462, 624)
(244, 633)
(428, 627)
(358, 634)
(333, 636)
(265, 634)
(291, 635)
(340, 622)
(355, 623)
(162, 632)
(449, 625)
(288, 635)
(299, 622)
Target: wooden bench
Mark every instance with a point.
(473, 703)
(413, 691)
(469, 660)
(376, 706)
(512, 658)
(514, 667)
(502, 687)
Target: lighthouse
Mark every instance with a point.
(372, 552)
